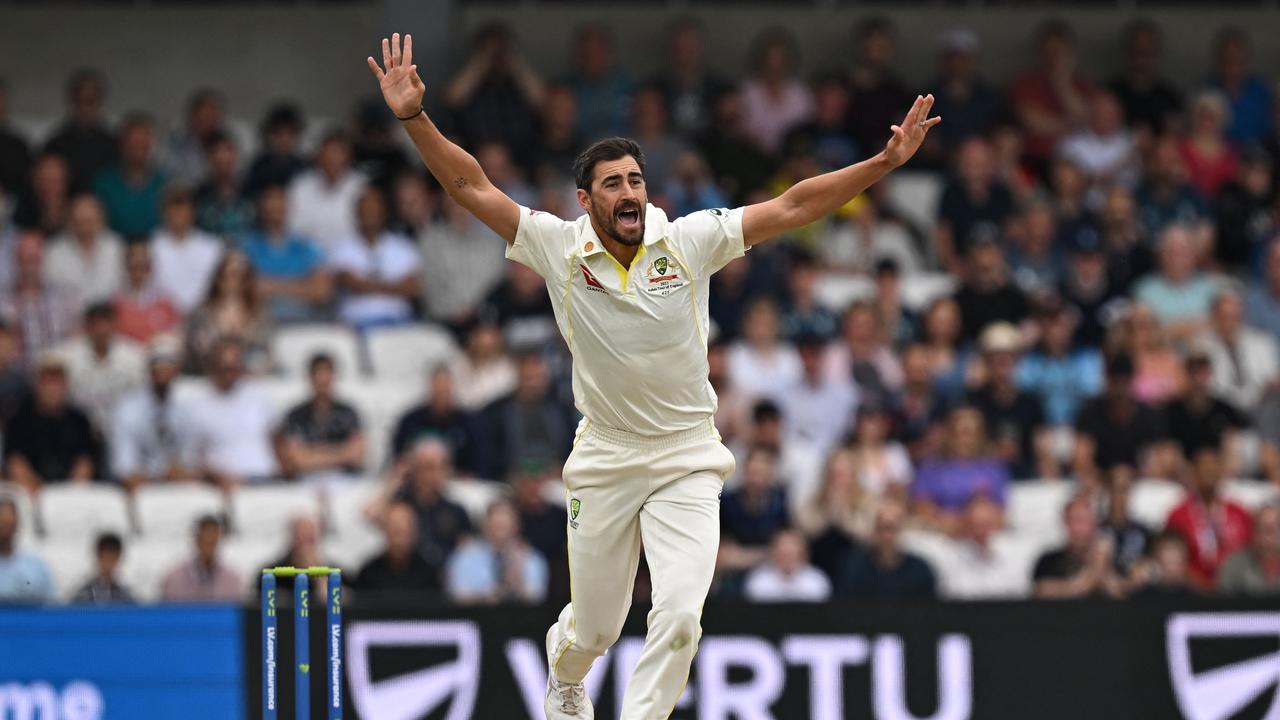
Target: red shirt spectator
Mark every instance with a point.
(1212, 526)
(1051, 101)
(143, 310)
(1206, 152)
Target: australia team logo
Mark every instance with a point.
(664, 276)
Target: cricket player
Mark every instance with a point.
(629, 286)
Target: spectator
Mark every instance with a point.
(869, 238)
(130, 189)
(737, 164)
(826, 135)
(1262, 299)
(1244, 213)
(1255, 570)
(818, 408)
(1052, 100)
(15, 385)
(439, 417)
(1103, 149)
(884, 569)
(988, 294)
(1151, 103)
(834, 518)
(221, 207)
(542, 524)
(961, 95)
(1212, 526)
(183, 153)
(773, 100)
(1165, 195)
(231, 422)
(292, 276)
(1178, 292)
(484, 371)
(88, 259)
(24, 577)
(101, 365)
(1115, 429)
(143, 310)
(900, 323)
(1015, 417)
(322, 200)
(419, 481)
(185, 256)
(462, 262)
(1062, 375)
(1130, 541)
(1248, 94)
(878, 93)
(401, 567)
(1123, 237)
(376, 152)
(787, 575)
(203, 578)
(753, 512)
(919, 407)
(689, 87)
(1083, 566)
(558, 143)
(46, 204)
(662, 146)
(104, 588)
(83, 139)
(303, 549)
(494, 97)
(1159, 374)
(941, 344)
(1199, 419)
(979, 565)
(1245, 361)
(1034, 261)
(49, 439)
(1089, 286)
(965, 468)
(602, 91)
(1206, 151)
(232, 308)
(862, 356)
(733, 410)
(1165, 576)
(278, 162)
(44, 315)
(15, 156)
(149, 435)
(530, 426)
(321, 437)
(377, 271)
(498, 567)
(760, 364)
(414, 203)
(882, 465)
(497, 164)
(1069, 195)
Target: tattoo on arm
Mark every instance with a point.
(459, 181)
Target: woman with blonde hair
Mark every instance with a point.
(1158, 373)
(233, 308)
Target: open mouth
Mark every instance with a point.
(629, 218)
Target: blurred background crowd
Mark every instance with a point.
(1039, 361)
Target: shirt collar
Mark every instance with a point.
(655, 229)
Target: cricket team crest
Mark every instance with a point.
(664, 276)
(575, 507)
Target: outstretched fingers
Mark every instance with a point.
(408, 50)
(386, 54)
(395, 49)
(377, 71)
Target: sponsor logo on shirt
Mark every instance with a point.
(592, 282)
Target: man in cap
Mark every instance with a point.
(147, 435)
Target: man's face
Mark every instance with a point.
(51, 388)
(86, 99)
(1002, 365)
(227, 368)
(86, 217)
(371, 214)
(429, 467)
(400, 530)
(1207, 469)
(1228, 314)
(501, 525)
(100, 330)
(207, 539)
(28, 254)
(206, 116)
(136, 145)
(108, 561)
(322, 380)
(335, 158)
(223, 159)
(888, 527)
(272, 208)
(617, 200)
(137, 264)
(1081, 525)
(163, 373)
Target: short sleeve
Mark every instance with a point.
(542, 242)
(401, 260)
(708, 239)
(347, 257)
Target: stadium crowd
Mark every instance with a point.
(1107, 248)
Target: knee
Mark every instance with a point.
(680, 627)
(596, 643)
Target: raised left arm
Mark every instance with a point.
(817, 197)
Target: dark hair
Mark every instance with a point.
(614, 148)
(764, 411)
(101, 310)
(1120, 365)
(1055, 28)
(204, 522)
(887, 266)
(134, 119)
(319, 359)
(109, 542)
(80, 76)
(202, 96)
(282, 115)
(216, 138)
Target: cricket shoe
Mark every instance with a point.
(565, 701)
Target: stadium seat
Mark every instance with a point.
(1034, 509)
(293, 346)
(262, 512)
(168, 512)
(1252, 494)
(247, 556)
(70, 560)
(916, 195)
(1152, 499)
(285, 392)
(351, 538)
(838, 291)
(380, 405)
(405, 353)
(79, 511)
(147, 560)
(475, 496)
(920, 289)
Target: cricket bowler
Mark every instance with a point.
(629, 286)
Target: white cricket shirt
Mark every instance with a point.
(639, 336)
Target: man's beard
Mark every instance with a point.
(609, 223)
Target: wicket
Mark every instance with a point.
(302, 640)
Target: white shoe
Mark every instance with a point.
(565, 701)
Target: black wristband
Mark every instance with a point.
(403, 119)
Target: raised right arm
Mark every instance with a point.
(454, 168)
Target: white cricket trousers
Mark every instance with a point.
(626, 490)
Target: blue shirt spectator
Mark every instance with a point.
(291, 267)
(964, 469)
(752, 513)
(603, 93)
(24, 577)
(1262, 299)
(500, 567)
(131, 189)
(1249, 95)
(1063, 381)
(1177, 292)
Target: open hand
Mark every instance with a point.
(401, 86)
(908, 136)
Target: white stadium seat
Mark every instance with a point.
(77, 511)
(70, 560)
(916, 195)
(1252, 494)
(380, 405)
(1034, 509)
(293, 346)
(169, 511)
(1151, 500)
(248, 556)
(352, 539)
(837, 291)
(285, 392)
(475, 496)
(148, 559)
(263, 512)
(920, 289)
(406, 352)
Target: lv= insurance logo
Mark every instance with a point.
(1222, 691)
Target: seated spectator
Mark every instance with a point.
(221, 207)
(46, 206)
(542, 525)
(900, 323)
(1178, 292)
(43, 315)
(1262, 299)
(1034, 261)
(130, 189)
(498, 567)
(1115, 429)
(104, 588)
(942, 347)
(751, 513)
(49, 439)
(817, 408)
(1083, 566)
(521, 306)
(884, 569)
(150, 438)
(692, 188)
(882, 465)
(834, 518)
(89, 259)
(484, 371)
(1245, 361)
(862, 356)
(802, 315)
(15, 385)
(1104, 148)
(918, 409)
(439, 417)
(230, 423)
(1255, 570)
(1212, 526)
(737, 164)
(531, 426)
(186, 258)
(787, 575)
(879, 94)
(974, 203)
(967, 99)
(967, 467)
(1248, 94)
(827, 133)
(733, 410)
(401, 567)
(83, 138)
(979, 565)
(494, 96)
(278, 161)
(1151, 103)
(1089, 286)
(1208, 155)
(603, 92)
(24, 577)
(304, 548)
(662, 146)
(143, 310)
(102, 366)
(182, 153)
(462, 261)
(559, 142)
(321, 437)
(419, 482)
(1165, 576)
(1015, 417)
(1198, 418)
(1243, 212)
(377, 271)
(773, 100)
(232, 309)
(689, 85)
(1165, 196)
(988, 294)
(1061, 374)
(1159, 374)
(1052, 99)
(203, 578)
(1130, 540)
(322, 200)
(292, 276)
